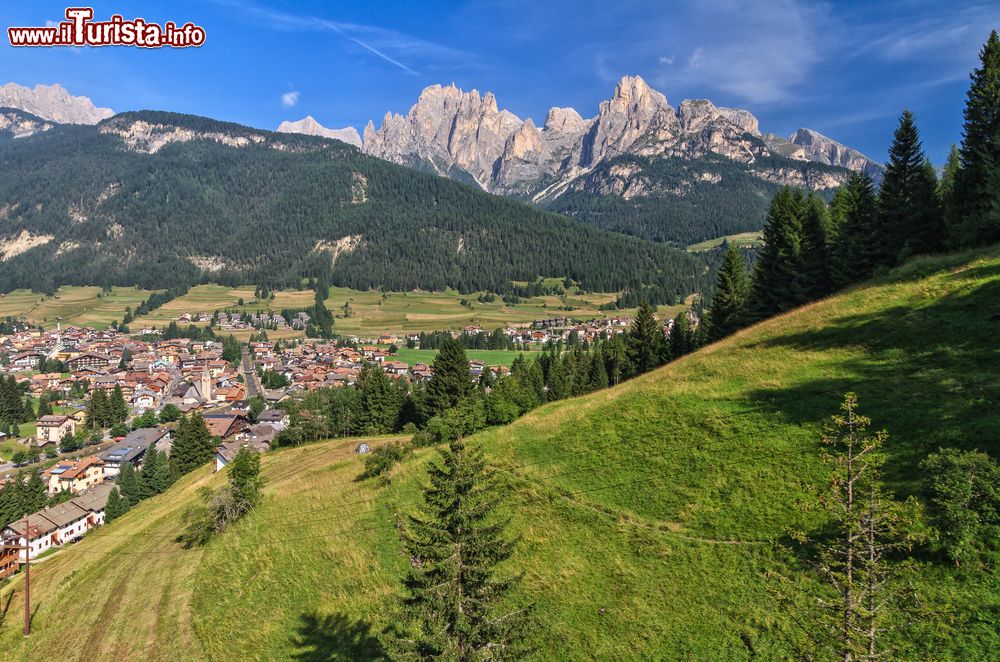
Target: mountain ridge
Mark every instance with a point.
(53, 103)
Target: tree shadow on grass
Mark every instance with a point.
(928, 373)
(335, 637)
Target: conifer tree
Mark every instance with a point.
(867, 524)
(116, 507)
(379, 400)
(910, 219)
(817, 281)
(644, 341)
(155, 477)
(193, 445)
(681, 340)
(450, 382)
(98, 412)
(854, 254)
(946, 186)
(777, 278)
(44, 406)
(975, 196)
(128, 483)
(35, 494)
(117, 406)
(729, 306)
(457, 605)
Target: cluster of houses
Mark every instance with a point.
(187, 374)
(92, 478)
(236, 321)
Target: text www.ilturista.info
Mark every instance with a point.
(79, 29)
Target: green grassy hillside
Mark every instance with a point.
(653, 516)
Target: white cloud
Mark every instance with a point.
(289, 99)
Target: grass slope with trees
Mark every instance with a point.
(657, 518)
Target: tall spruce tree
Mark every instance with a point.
(644, 341)
(910, 219)
(854, 254)
(817, 282)
(729, 306)
(681, 338)
(116, 507)
(155, 477)
(128, 483)
(777, 278)
(946, 187)
(450, 382)
(458, 603)
(193, 445)
(975, 195)
(117, 406)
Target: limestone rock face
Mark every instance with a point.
(19, 124)
(463, 134)
(817, 147)
(311, 127)
(446, 128)
(53, 103)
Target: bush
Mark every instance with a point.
(381, 460)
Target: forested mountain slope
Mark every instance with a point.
(158, 199)
(655, 517)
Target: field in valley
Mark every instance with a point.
(654, 518)
(80, 306)
(742, 239)
(489, 357)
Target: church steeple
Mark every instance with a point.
(206, 384)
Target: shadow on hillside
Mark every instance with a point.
(335, 637)
(929, 375)
(6, 608)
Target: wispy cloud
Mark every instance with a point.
(390, 46)
(289, 99)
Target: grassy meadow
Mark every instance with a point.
(654, 518)
(80, 306)
(741, 239)
(372, 313)
(487, 356)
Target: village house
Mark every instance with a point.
(225, 426)
(52, 428)
(132, 449)
(74, 475)
(56, 525)
(276, 418)
(224, 453)
(8, 554)
(88, 360)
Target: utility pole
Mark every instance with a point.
(27, 576)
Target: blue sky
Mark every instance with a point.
(845, 69)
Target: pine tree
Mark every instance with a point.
(245, 481)
(777, 278)
(117, 407)
(975, 196)
(732, 289)
(644, 341)
(817, 281)
(597, 378)
(379, 400)
(98, 412)
(910, 219)
(35, 494)
(854, 254)
(450, 382)
(128, 483)
(44, 406)
(193, 445)
(867, 525)
(155, 477)
(681, 340)
(116, 507)
(455, 606)
(946, 187)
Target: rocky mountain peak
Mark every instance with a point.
(564, 120)
(817, 147)
(310, 127)
(53, 103)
